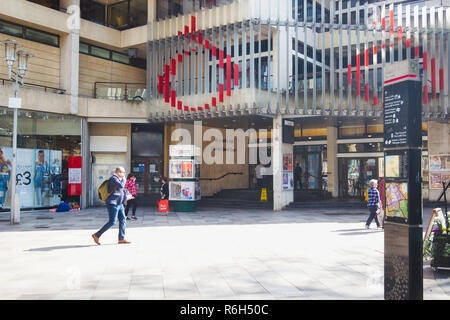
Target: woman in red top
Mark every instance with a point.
(130, 185)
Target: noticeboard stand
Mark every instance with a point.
(184, 173)
(402, 120)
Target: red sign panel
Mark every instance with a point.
(74, 175)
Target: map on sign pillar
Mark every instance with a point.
(397, 200)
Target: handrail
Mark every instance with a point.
(60, 91)
(223, 176)
(126, 84)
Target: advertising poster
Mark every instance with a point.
(186, 169)
(397, 199)
(38, 177)
(288, 164)
(439, 170)
(288, 181)
(435, 180)
(180, 190)
(181, 169)
(174, 169)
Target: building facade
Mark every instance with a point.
(118, 87)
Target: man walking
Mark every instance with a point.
(114, 204)
(374, 203)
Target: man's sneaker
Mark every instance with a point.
(123, 241)
(133, 218)
(128, 218)
(96, 239)
(367, 227)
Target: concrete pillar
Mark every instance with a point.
(281, 198)
(438, 144)
(332, 161)
(70, 52)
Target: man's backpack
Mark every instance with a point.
(103, 192)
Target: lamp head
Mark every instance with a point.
(10, 53)
(23, 57)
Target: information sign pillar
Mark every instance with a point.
(402, 115)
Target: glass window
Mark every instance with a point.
(11, 29)
(84, 48)
(101, 53)
(45, 142)
(352, 131)
(43, 37)
(118, 15)
(314, 132)
(119, 57)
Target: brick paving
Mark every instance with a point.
(208, 254)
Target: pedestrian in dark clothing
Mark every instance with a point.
(114, 204)
(130, 185)
(164, 189)
(374, 203)
(298, 175)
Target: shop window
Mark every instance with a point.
(42, 37)
(44, 143)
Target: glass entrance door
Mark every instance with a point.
(148, 175)
(354, 176)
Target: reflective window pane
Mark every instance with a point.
(43, 37)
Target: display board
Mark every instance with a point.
(181, 168)
(184, 190)
(184, 172)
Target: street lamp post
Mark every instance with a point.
(15, 103)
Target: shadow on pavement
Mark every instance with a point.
(68, 247)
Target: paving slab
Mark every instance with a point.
(209, 254)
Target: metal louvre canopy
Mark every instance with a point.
(270, 57)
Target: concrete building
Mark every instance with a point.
(114, 86)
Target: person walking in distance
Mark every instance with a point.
(374, 203)
(164, 191)
(298, 176)
(114, 204)
(130, 185)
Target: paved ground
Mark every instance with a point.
(226, 254)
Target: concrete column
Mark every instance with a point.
(332, 161)
(281, 198)
(438, 144)
(70, 53)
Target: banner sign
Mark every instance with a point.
(74, 176)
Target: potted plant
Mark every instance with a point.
(437, 247)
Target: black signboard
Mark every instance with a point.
(288, 131)
(403, 115)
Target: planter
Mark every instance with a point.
(441, 254)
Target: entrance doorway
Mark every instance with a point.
(311, 160)
(148, 175)
(354, 176)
